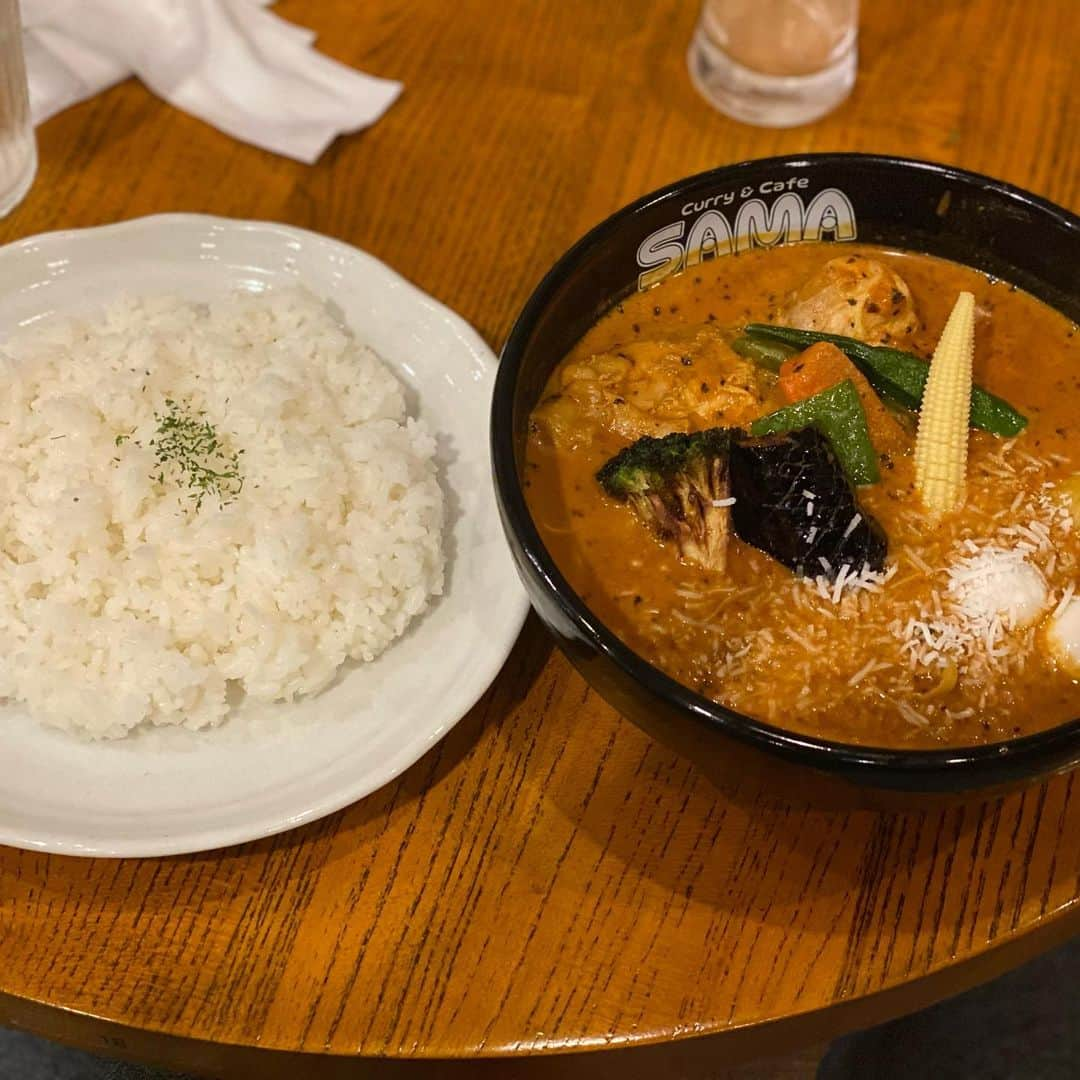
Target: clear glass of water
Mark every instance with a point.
(18, 150)
(775, 63)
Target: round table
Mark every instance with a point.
(547, 880)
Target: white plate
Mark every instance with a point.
(265, 770)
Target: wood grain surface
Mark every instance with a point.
(547, 879)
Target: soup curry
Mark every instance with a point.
(886, 617)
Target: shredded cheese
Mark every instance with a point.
(852, 525)
(941, 611)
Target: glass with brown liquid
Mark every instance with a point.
(775, 63)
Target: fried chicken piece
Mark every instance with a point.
(855, 296)
(651, 387)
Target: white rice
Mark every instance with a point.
(119, 602)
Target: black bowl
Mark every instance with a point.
(916, 205)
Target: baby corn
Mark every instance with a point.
(941, 445)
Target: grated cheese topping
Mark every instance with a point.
(998, 583)
(936, 647)
(993, 590)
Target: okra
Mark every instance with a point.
(896, 375)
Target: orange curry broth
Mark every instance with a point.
(803, 672)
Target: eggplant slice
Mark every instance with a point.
(793, 502)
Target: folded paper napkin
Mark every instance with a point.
(228, 62)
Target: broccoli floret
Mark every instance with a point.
(678, 486)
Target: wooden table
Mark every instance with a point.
(546, 880)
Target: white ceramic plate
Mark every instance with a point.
(271, 768)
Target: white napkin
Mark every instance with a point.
(232, 64)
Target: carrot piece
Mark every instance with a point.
(824, 365)
(813, 370)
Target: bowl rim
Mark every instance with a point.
(972, 761)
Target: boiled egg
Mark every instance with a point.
(1062, 635)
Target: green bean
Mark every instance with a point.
(838, 414)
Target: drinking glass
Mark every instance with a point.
(775, 63)
(18, 150)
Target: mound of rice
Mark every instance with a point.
(119, 602)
